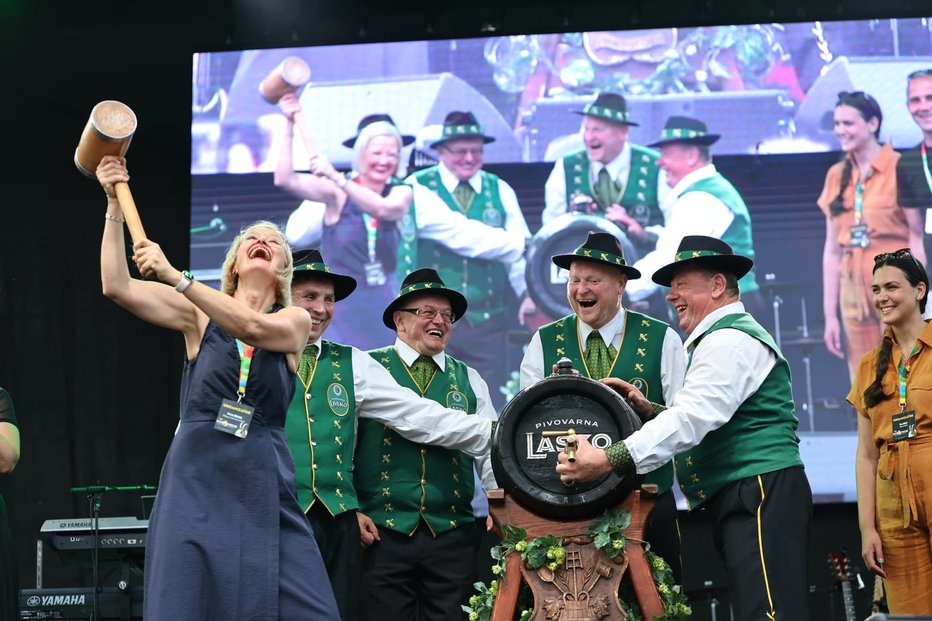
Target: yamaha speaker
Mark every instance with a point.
(882, 78)
(743, 118)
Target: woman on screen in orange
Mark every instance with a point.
(862, 218)
(227, 539)
(892, 392)
(361, 233)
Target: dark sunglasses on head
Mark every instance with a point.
(902, 253)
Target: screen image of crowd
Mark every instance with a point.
(764, 95)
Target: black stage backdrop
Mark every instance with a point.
(96, 390)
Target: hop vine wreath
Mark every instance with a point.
(606, 532)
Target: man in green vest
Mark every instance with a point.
(423, 564)
(700, 202)
(732, 428)
(604, 339)
(611, 176)
(482, 268)
(338, 387)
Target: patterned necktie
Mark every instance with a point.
(599, 358)
(606, 190)
(308, 364)
(422, 370)
(464, 195)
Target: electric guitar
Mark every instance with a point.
(840, 565)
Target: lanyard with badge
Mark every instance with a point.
(234, 417)
(859, 236)
(925, 166)
(375, 274)
(904, 421)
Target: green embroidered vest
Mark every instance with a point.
(482, 281)
(738, 235)
(399, 482)
(759, 438)
(320, 427)
(638, 362)
(638, 197)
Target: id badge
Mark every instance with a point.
(375, 275)
(234, 418)
(859, 237)
(904, 425)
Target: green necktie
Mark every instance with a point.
(308, 364)
(464, 195)
(599, 358)
(422, 370)
(606, 190)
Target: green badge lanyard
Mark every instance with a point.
(245, 361)
(925, 166)
(372, 232)
(858, 203)
(903, 372)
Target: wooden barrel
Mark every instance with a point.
(562, 235)
(524, 461)
(109, 131)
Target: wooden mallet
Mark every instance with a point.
(109, 131)
(287, 77)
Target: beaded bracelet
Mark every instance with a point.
(114, 218)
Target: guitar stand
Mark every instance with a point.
(573, 594)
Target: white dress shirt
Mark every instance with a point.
(380, 398)
(727, 367)
(672, 360)
(474, 239)
(619, 169)
(695, 213)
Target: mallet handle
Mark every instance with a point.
(306, 134)
(130, 213)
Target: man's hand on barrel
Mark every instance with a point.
(289, 105)
(641, 406)
(111, 170)
(151, 262)
(591, 463)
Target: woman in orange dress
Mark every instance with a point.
(862, 219)
(892, 392)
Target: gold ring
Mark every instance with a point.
(569, 482)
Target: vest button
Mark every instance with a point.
(308, 396)
(313, 443)
(423, 481)
(310, 419)
(314, 467)
(423, 509)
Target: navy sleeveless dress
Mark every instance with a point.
(227, 539)
(346, 248)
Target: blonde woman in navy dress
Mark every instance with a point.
(227, 539)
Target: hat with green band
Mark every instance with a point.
(685, 130)
(461, 125)
(598, 248)
(309, 263)
(704, 252)
(424, 280)
(610, 107)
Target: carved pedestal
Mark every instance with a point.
(585, 586)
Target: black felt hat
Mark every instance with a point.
(461, 125)
(375, 118)
(598, 248)
(703, 251)
(610, 107)
(424, 280)
(308, 262)
(685, 130)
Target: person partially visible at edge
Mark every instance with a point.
(913, 171)
(862, 218)
(226, 538)
(732, 428)
(420, 498)
(340, 389)
(605, 339)
(9, 457)
(894, 455)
